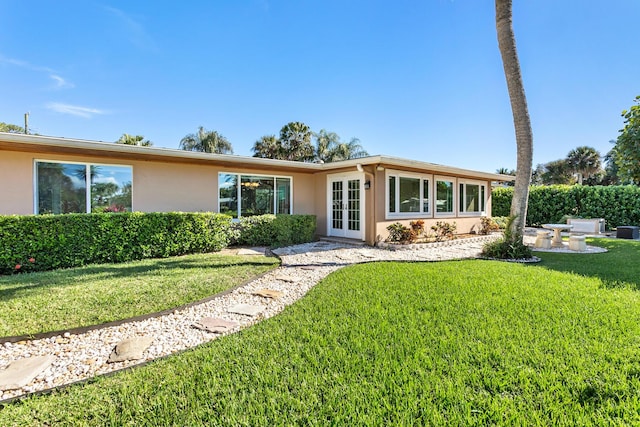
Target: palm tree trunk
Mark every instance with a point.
(521, 120)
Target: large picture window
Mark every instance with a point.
(472, 198)
(248, 195)
(408, 195)
(80, 188)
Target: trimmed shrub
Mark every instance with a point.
(71, 240)
(274, 230)
(618, 205)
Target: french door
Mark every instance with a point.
(346, 206)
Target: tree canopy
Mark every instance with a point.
(584, 161)
(134, 140)
(329, 148)
(207, 142)
(10, 128)
(627, 147)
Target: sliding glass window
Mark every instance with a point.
(248, 195)
(80, 188)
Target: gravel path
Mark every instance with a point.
(82, 356)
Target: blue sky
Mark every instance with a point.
(415, 79)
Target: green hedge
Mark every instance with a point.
(45, 242)
(618, 205)
(275, 230)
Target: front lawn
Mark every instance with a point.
(447, 343)
(62, 299)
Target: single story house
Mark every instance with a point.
(355, 199)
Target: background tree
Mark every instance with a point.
(536, 175)
(507, 171)
(521, 120)
(134, 140)
(9, 128)
(295, 139)
(611, 176)
(627, 148)
(584, 161)
(329, 148)
(207, 142)
(267, 147)
(557, 172)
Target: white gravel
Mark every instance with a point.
(82, 356)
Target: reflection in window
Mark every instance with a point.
(248, 195)
(110, 188)
(409, 194)
(444, 196)
(472, 198)
(256, 195)
(68, 188)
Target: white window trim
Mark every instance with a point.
(402, 215)
(463, 213)
(454, 181)
(240, 174)
(87, 182)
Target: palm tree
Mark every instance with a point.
(351, 150)
(557, 172)
(295, 139)
(206, 142)
(267, 147)
(326, 143)
(584, 161)
(521, 120)
(329, 148)
(134, 140)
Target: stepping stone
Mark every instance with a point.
(251, 251)
(214, 324)
(268, 293)
(130, 349)
(21, 372)
(246, 309)
(285, 278)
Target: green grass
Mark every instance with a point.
(450, 343)
(56, 300)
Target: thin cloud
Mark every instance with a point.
(74, 110)
(60, 82)
(136, 33)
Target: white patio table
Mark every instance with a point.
(556, 242)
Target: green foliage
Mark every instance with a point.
(206, 142)
(444, 231)
(487, 225)
(510, 246)
(399, 233)
(618, 205)
(627, 148)
(274, 230)
(138, 140)
(11, 128)
(71, 240)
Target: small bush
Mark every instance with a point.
(274, 230)
(487, 225)
(510, 246)
(444, 231)
(398, 233)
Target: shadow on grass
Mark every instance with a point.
(14, 286)
(620, 267)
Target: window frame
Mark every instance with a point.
(239, 176)
(87, 165)
(454, 181)
(398, 175)
(482, 193)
